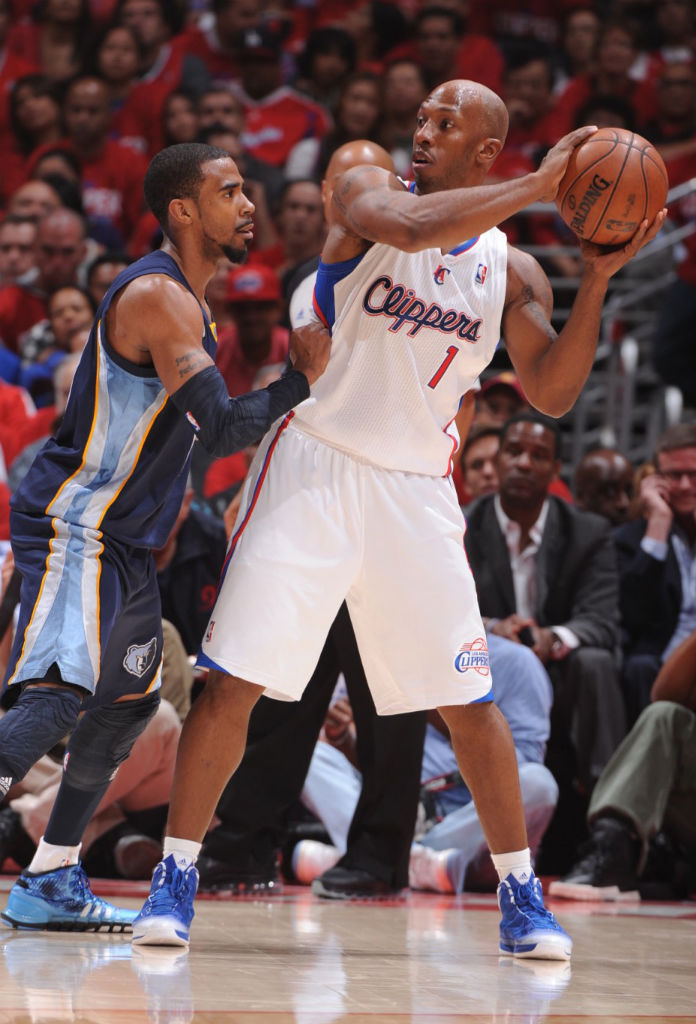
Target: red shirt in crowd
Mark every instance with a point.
(275, 123)
(236, 369)
(20, 309)
(112, 187)
(12, 67)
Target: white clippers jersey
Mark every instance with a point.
(411, 332)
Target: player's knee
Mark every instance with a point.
(104, 739)
(39, 718)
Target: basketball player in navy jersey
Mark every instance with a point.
(351, 498)
(104, 492)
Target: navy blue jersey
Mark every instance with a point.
(120, 460)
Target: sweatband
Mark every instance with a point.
(225, 425)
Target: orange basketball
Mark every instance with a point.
(614, 181)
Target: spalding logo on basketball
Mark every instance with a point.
(614, 181)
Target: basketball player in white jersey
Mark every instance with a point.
(351, 497)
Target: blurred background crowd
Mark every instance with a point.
(585, 560)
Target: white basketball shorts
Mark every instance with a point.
(317, 527)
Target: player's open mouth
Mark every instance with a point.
(420, 158)
(247, 231)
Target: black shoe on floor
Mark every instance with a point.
(249, 879)
(347, 883)
(14, 841)
(607, 868)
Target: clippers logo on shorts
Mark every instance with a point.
(439, 275)
(481, 272)
(402, 306)
(473, 655)
(140, 657)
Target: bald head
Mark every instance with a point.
(604, 484)
(476, 101)
(361, 151)
(345, 158)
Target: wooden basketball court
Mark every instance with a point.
(296, 959)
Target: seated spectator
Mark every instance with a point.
(101, 272)
(674, 119)
(528, 94)
(60, 249)
(35, 199)
(277, 116)
(16, 407)
(657, 563)
(617, 49)
(403, 91)
(112, 174)
(17, 247)
(647, 791)
(450, 852)
(301, 227)
(578, 44)
(445, 49)
(70, 313)
(546, 576)
(357, 117)
(35, 119)
(55, 38)
(328, 58)
(603, 484)
(478, 462)
(219, 106)
(214, 40)
(31, 435)
(256, 338)
(117, 59)
(179, 119)
(12, 67)
(500, 398)
(671, 39)
(166, 63)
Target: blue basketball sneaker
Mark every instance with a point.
(528, 929)
(165, 920)
(61, 900)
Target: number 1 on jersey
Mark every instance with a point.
(440, 373)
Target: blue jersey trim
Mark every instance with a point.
(465, 246)
(328, 276)
(486, 699)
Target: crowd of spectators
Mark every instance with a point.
(596, 576)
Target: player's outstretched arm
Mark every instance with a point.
(165, 322)
(370, 203)
(552, 367)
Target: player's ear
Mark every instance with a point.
(489, 150)
(180, 211)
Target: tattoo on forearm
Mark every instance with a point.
(190, 362)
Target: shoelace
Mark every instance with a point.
(169, 890)
(528, 900)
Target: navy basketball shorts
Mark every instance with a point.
(88, 605)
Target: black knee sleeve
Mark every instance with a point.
(103, 739)
(39, 719)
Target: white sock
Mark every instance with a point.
(49, 857)
(184, 851)
(518, 864)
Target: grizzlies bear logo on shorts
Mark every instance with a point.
(140, 657)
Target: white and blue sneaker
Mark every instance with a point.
(165, 919)
(527, 928)
(61, 900)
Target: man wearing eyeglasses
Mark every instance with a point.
(657, 565)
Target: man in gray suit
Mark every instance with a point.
(546, 576)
